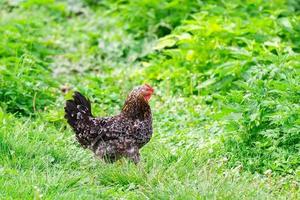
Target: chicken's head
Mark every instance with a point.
(146, 91)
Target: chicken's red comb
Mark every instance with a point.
(148, 86)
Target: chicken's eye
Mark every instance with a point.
(142, 90)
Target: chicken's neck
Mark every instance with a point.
(137, 108)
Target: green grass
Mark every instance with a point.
(226, 104)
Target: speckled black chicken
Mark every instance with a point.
(111, 138)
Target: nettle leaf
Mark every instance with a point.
(165, 42)
(254, 117)
(206, 83)
(285, 22)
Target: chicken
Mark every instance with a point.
(111, 138)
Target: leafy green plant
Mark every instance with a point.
(26, 84)
(158, 17)
(244, 63)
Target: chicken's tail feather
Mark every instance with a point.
(78, 109)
